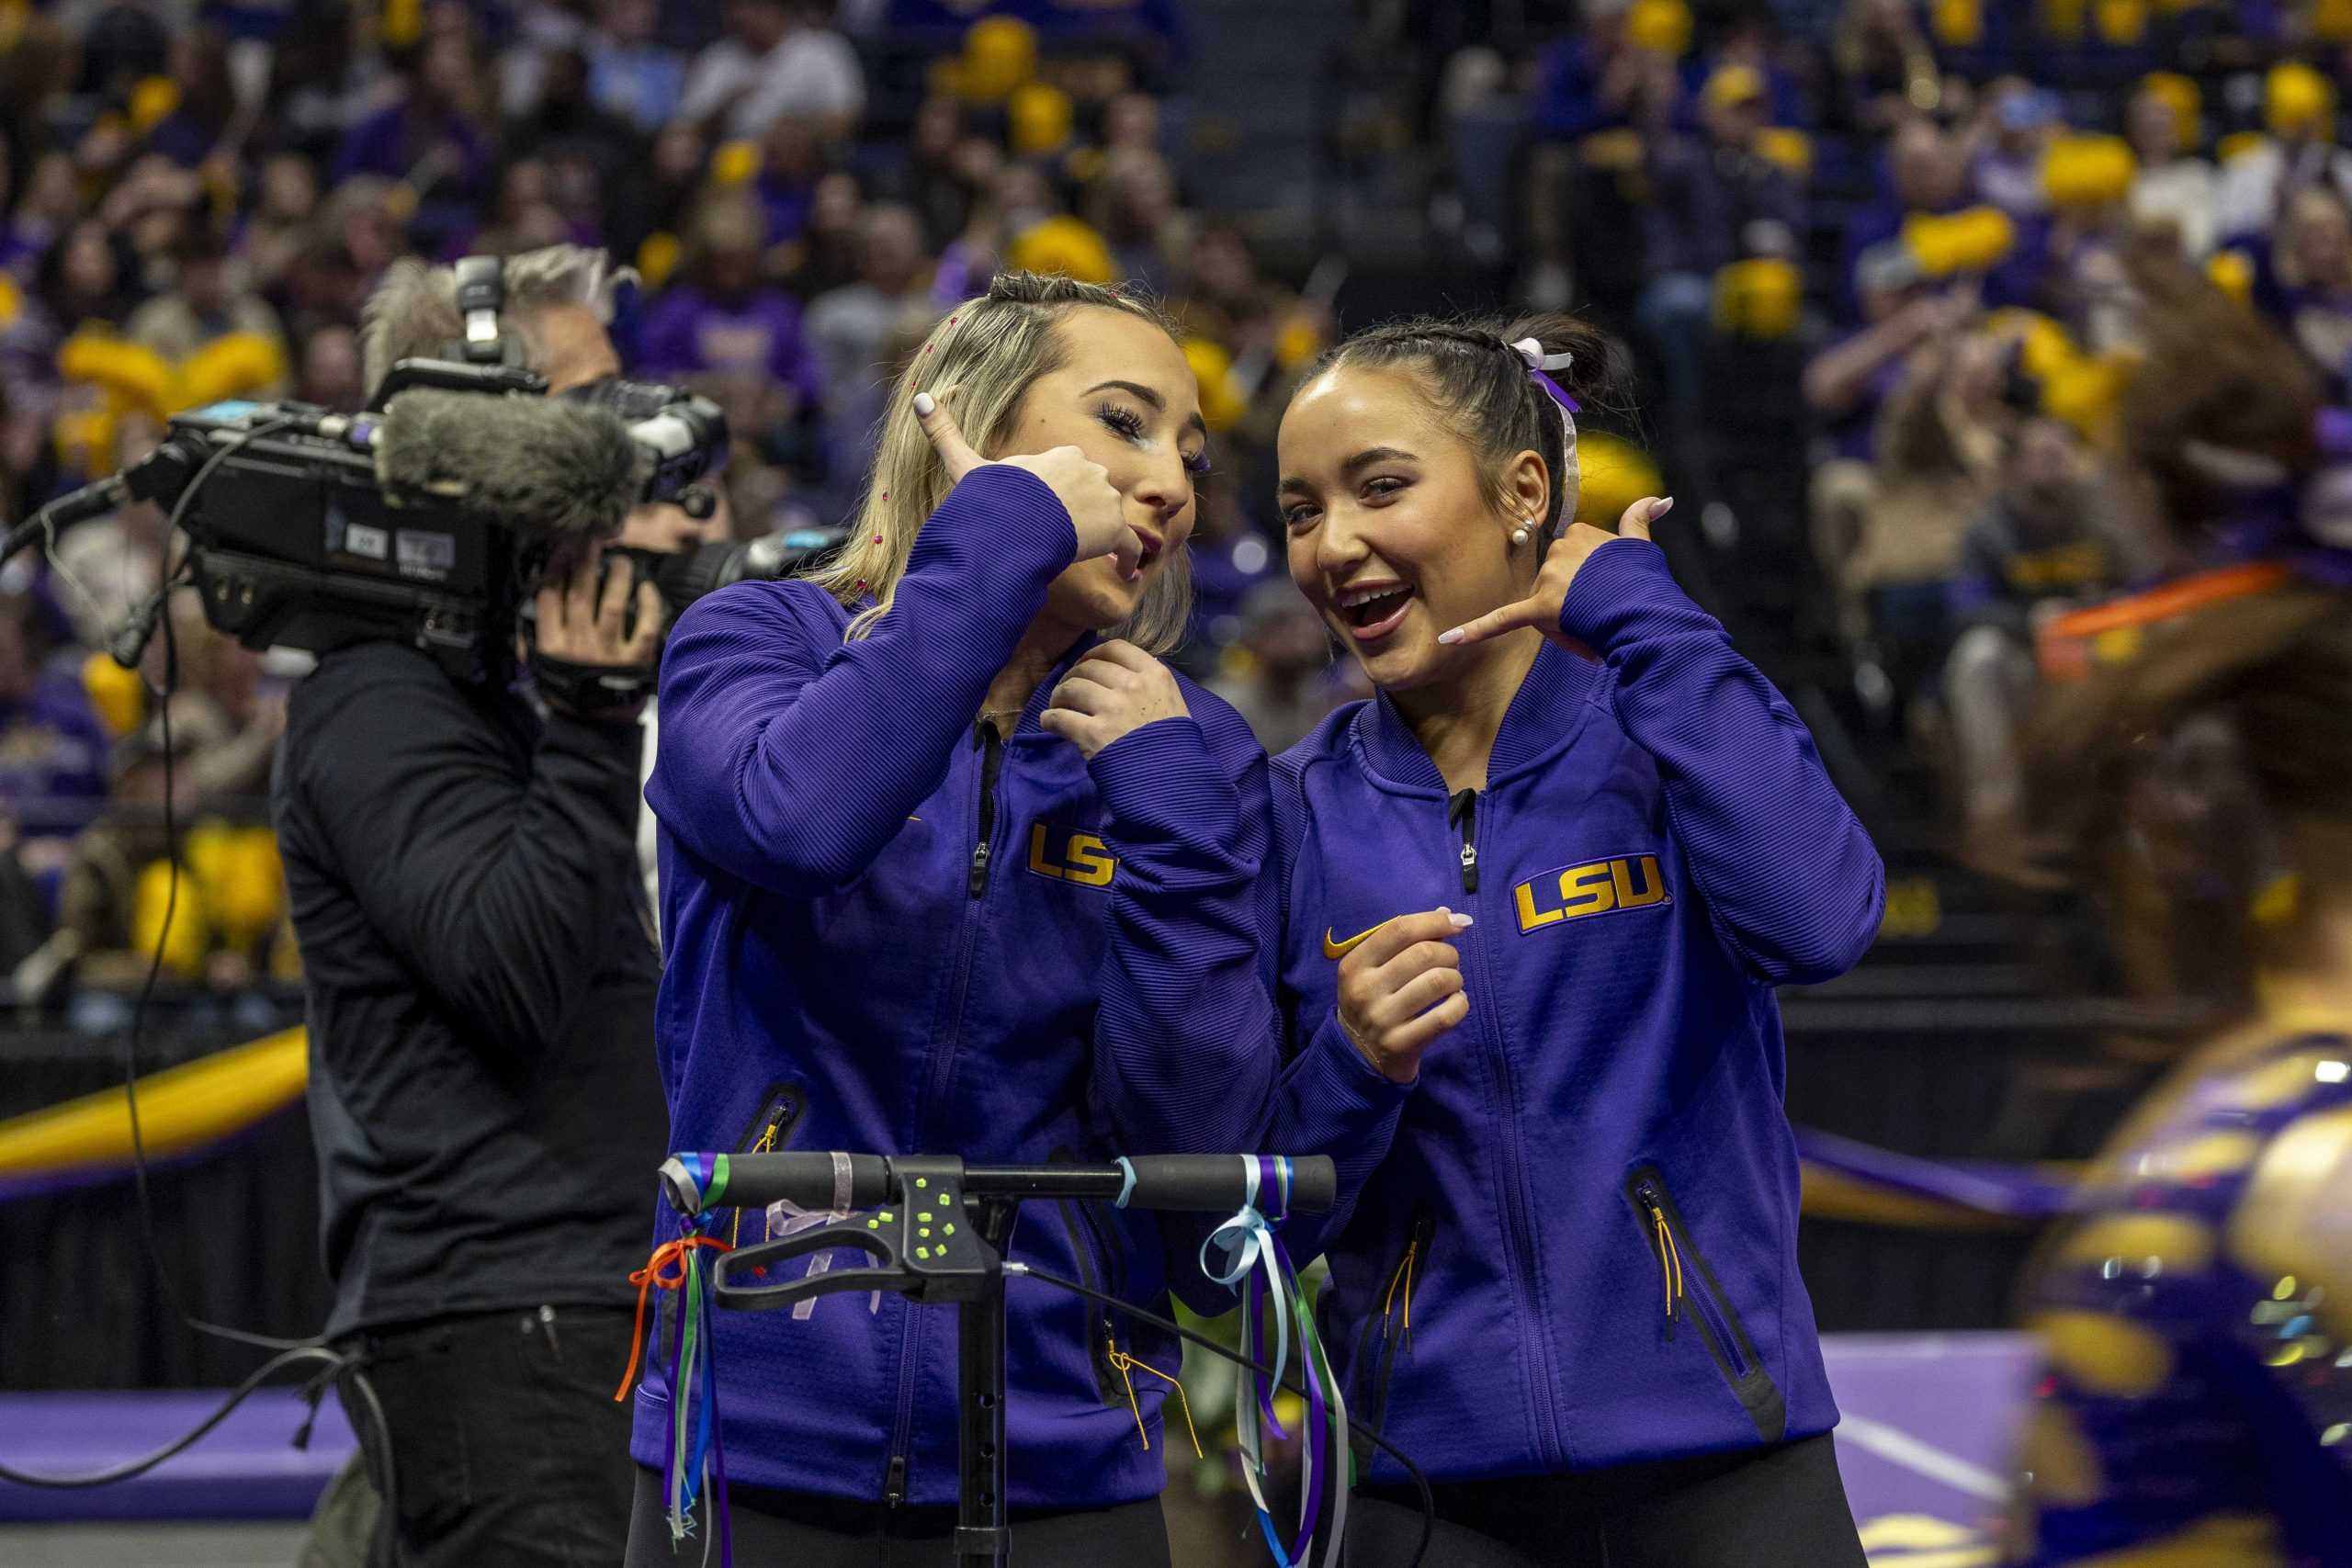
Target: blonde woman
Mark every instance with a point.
(952, 864)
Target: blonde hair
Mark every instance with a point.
(991, 349)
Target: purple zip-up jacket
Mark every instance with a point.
(1587, 1210)
(889, 931)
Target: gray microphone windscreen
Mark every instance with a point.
(536, 464)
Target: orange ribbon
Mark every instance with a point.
(669, 1253)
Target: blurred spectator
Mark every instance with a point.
(825, 255)
(2019, 118)
(630, 73)
(2299, 151)
(721, 317)
(930, 180)
(54, 748)
(1885, 71)
(2175, 187)
(327, 74)
(432, 138)
(89, 276)
(791, 161)
(777, 59)
(1714, 200)
(2046, 540)
(1848, 384)
(284, 219)
(330, 370)
(1139, 218)
(112, 563)
(2309, 289)
(526, 217)
(852, 327)
(1939, 451)
(203, 100)
(51, 199)
(1925, 176)
(1273, 667)
(203, 306)
(1599, 79)
(1750, 37)
(566, 126)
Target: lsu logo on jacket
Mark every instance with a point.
(1596, 887)
(1068, 856)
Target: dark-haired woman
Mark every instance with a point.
(1568, 851)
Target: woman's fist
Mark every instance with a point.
(1400, 988)
(1115, 690)
(1082, 485)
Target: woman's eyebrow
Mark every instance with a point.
(1371, 455)
(1133, 388)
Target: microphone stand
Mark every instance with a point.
(936, 1238)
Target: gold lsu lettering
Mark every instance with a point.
(1597, 887)
(1083, 858)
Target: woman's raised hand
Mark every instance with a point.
(1541, 609)
(1082, 484)
(1115, 690)
(1400, 988)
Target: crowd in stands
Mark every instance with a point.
(1902, 239)
(1877, 249)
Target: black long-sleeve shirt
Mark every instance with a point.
(480, 971)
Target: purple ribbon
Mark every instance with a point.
(1559, 393)
(1318, 1423)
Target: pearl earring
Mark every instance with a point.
(1519, 535)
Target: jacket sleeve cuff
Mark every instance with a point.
(1337, 1088)
(1623, 589)
(998, 519)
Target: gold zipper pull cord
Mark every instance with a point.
(1127, 1364)
(1669, 1261)
(765, 1145)
(1403, 1276)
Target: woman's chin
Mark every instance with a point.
(1090, 593)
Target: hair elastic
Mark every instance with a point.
(1539, 367)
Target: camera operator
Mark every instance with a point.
(480, 974)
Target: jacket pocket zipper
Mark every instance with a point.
(771, 1128)
(1679, 1267)
(1396, 1317)
(1685, 1277)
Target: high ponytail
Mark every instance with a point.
(1480, 388)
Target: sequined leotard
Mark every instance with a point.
(2197, 1322)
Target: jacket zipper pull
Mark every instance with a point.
(547, 1321)
(894, 1491)
(991, 747)
(1463, 811)
(1669, 1256)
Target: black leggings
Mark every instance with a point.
(1767, 1509)
(791, 1529)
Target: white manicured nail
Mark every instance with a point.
(1461, 922)
(923, 405)
(1452, 636)
(1660, 508)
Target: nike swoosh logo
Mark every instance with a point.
(1336, 951)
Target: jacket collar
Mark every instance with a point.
(1546, 713)
(1040, 699)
